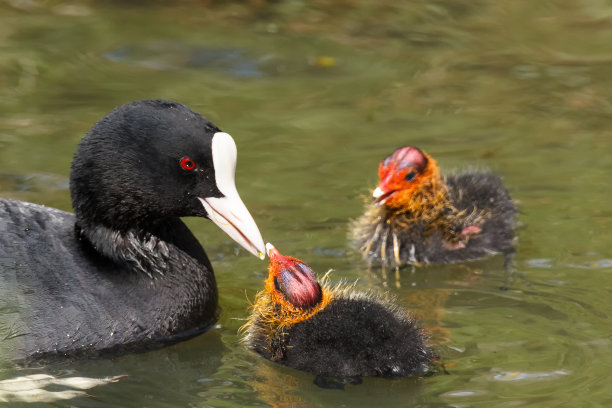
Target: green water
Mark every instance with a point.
(315, 95)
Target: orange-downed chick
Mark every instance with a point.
(420, 217)
(331, 330)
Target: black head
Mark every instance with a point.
(151, 160)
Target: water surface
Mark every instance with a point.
(315, 96)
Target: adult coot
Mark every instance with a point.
(123, 272)
(420, 217)
(331, 330)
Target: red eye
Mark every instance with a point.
(187, 163)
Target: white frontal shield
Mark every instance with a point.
(229, 212)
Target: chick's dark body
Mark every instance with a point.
(479, 199)
(486, 194)
(351, 337)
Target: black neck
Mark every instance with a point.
(151, 250)
(140, 250)
(165, 262)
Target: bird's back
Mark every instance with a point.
(357, 337)
(35, 247)
(483, 205)
(482, 195)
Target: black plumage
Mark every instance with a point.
(344, 334)
(351, 337)
(123, 273)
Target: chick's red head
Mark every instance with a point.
(403, 173)
(291, 282)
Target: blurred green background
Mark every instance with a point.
(316, 93)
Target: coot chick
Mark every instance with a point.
(331, 330)
(420, 217)
(123, 273)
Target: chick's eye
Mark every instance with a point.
(410, 176)
(187, 163)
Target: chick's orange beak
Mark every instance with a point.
(273, 253)
(386, 187)
(400, 171)
(292, 279)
